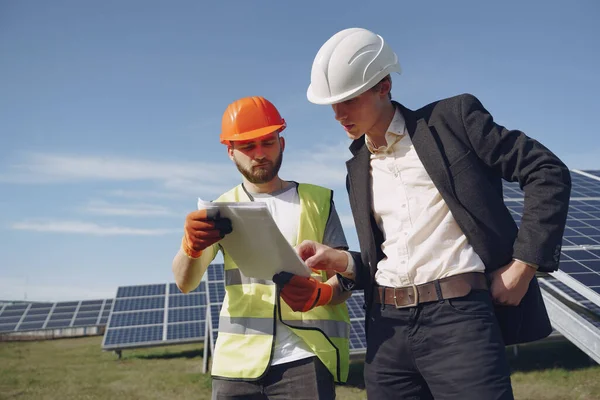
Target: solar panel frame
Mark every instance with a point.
(594, 174)
(571, 295)
(573, 315)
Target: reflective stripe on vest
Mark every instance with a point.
(264, 326)
(246, 324)
(234, 277)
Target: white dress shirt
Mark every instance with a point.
(422, 241)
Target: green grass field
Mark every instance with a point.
(78, 369)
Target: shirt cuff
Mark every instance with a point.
(534, 266)
(350, 271)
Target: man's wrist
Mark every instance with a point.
(187, 249)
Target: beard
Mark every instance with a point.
(263, 174)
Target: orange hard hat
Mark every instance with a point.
(250, 118)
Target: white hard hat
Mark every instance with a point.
(351, 62)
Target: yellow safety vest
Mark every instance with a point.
(246, 335)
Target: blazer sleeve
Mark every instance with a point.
(543, 177)
(362, 271)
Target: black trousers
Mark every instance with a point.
(306, 379)
(445, 350)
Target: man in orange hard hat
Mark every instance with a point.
(264, 349)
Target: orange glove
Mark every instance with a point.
(203, 228)
(303, 294)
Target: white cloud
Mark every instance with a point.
(87, 228)
(187, 177)
(99, 207)
(143, 194)
(324, 165)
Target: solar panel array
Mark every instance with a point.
(578, 279)
(40, 316)
(149, 315)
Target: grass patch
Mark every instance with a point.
(78, 369)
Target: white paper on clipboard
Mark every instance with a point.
(256, 244)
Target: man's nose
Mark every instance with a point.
(259, 152)
(339, 112)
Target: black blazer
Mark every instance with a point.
(467, 155)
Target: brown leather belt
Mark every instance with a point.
(446, 288)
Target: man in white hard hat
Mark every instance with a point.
(449, 279)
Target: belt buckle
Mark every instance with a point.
(415, 295)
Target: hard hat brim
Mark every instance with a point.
(353, 92)
(255, 134)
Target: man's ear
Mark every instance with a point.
(230, 151)
(282, 143)
(385, 87)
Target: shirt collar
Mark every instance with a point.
(394, 133)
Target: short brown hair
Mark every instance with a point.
(385, 78)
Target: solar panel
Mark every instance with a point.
(39, 316)
(591, 173)
(155, 315)
(512, 190)
(583, 222)
(580, 270)
(358, 339)
(584, 185)
(141, 291)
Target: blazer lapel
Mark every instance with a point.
(359, 175)
(429, 149)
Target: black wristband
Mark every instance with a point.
(347, 284)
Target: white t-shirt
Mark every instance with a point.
(284, 206)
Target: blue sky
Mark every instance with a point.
(110, 112)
